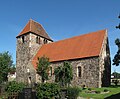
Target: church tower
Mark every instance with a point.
(29, 41)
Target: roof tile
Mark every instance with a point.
(34, 27)
(87, 45)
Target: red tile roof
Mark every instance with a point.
(34, 27)
(87, 45)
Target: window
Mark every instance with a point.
(38, 40)
(23, 39)
(29, 80)
(50, 71)
(79, 71)
(45, 41)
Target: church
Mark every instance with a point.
(88, 54)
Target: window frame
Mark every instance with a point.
(79, 73)
(23, 39)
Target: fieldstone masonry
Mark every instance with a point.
(90, 74)
(95, 71)
(25, 51)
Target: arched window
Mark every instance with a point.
(79, 71)
(45, 41)
(23, 39)
(37, 39)
(50, 71)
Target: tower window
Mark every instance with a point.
(50, 71)
(38, 40)
(79, 71)
(23, 39)
(45, 41)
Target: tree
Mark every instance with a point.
(48, 91)
(42, 68)
(64, 74)
(59, 75)
(6, 63)
(14, 86)
(12, 69)
(116, 75)
(116, 60)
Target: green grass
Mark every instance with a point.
(113, 93)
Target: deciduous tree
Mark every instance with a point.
(42, 68)
(116, 60)
(64, 74)
(6, 63)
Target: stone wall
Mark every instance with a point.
(26, 49)
(95, 71)
(22, 58)
(90, 72)
(105, 63)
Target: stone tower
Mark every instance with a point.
(29, 41)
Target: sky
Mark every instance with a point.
(60, 18)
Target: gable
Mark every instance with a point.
(87, 45)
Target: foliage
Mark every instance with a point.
(116, 60)
(42, 68)
(58, 74)
(89, 89)
(115, 81)
(64, 74)
(5, 64)
(47, 90)
(106, 90)
(73, 92)
(116, 75)
(98, 92)
(14, 87)
(12, 69)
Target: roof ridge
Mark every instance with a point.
(86, 45)
(30, 23)
(77, 36)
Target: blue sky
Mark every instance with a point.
(60, 18)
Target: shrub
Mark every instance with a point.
(89, 89)
(106, 90)
(14, 87)
(83, 87)
(73, 92)
(97, 92)
(116, 81)
(47, 90)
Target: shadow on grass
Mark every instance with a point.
(113, 86)
(116, 96)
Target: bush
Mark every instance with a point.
(97, 92)
(14, 87)
(116, 81)
(106, 90)
(83, 87)
(89, 89)
(73, 92)
(47, 91)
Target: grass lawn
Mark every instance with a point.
(114, 93)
